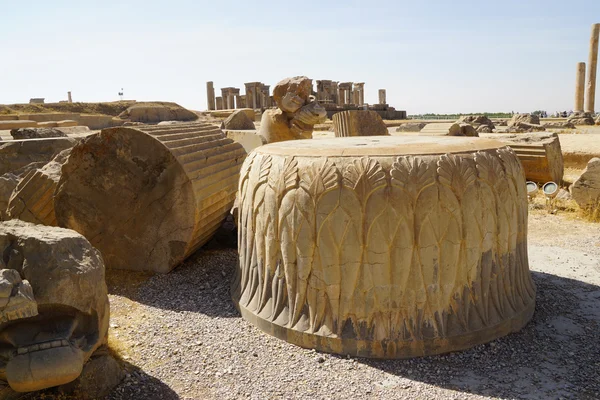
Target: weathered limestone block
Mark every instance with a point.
(148, 197)
(157, 113)
(8, 125)
(48, 124)
(539, 153)
(526, 118)
(49, 117)
(467, 130)
(559, 125)
(57, 277)
(36, 133)
(484, 129)
(239, 120)
(476, 121)
(581, 118)
(17, 154)
(297, 113)
(521, 126)
(389, 247)
(226, 113)
(441, 129)
(96, 121)
(586, 189)
(33, 198)
(358, 123)
(411, 127)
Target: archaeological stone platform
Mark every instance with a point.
(386, 247)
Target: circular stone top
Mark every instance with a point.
(380, 146)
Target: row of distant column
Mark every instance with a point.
(580, 85)
(257, 96)
(342, 93)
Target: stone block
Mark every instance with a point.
(8, 125)
(586, 189)
(358, 123)
(386, 247)
(149, 196)
(16, 154)
(248, 139)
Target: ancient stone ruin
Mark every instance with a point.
(586, 189)
(54, 305)
(148, 197)
(358, 123)
(296, 114)
(387, 247)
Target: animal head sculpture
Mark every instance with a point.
(298, 111)
(54, 307)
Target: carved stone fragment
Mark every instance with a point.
(148, 197)
(387, 247)
(358, 123)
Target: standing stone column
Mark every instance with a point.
(341, 96)
(219, 101)
(579, 87)
(592, 65)
(210, 96)
(382, 99)
(70, 99)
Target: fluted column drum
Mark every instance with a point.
(386, 247)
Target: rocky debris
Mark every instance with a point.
(521, 126)
(448, 129)
(67, 289)
(586, 189)
(157, 113)
(17, 154)
(501, 122)
(411, 127)
(598, 120)
(36, 133)
(581, 118)
(238, 120)
(559, 125)
(468, 130)
(524, 118)
(539, 153)
(358, 123)
(477, 121)
(484, 129)
(33, 198)
(148, 197)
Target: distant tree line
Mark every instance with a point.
(456, 116)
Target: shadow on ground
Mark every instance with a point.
(557, 355)
(202, 283)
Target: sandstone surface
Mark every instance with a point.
(53, 293)
(36, 133)
(387, 247)
(17, 154)
(358, 123)
(586, 189)
(239, 120)
(149, 196)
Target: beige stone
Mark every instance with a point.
(522, 126)
(579, 86)
(467, 130)
(55, 275)
(581, 118)
(148, 197)
(156, 113)
(17, 154)
(96, 121)
(590, 92)
(33, 198)
(586, 189)
(526, 118)
(558, 125)
(66, 123)
(8, 125)
(389, 247)
(476, 121)
(47, 124)
(358, 123)
(49, 117)
(411, 127)
(441, 129)
(8, 183)
(539, 153)
(248, 139)
(226, 113)
(297, 113)
(238, 120)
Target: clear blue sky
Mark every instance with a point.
(431, 56)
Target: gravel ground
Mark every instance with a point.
(180, 337)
